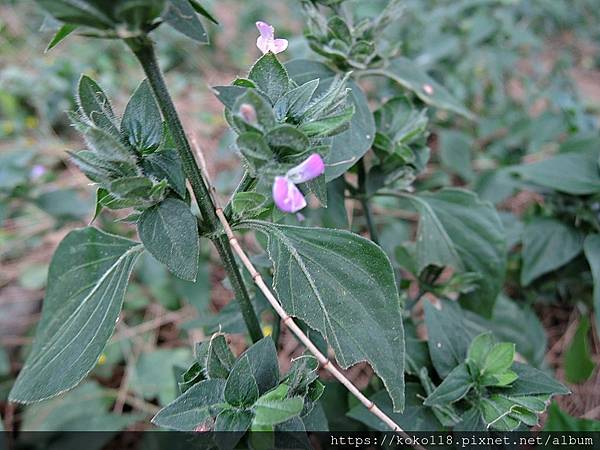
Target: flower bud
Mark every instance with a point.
(248, 113)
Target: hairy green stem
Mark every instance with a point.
(364, 201)
(143, 49)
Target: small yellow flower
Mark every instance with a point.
(31, 122)
(102, 359)
(8, 127)
(267, 330)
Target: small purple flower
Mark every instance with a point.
(37, 171)
(308, 169)
(266, 42)
(286, 194)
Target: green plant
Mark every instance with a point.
(303, 129)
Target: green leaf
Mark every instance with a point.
(398, 121)
(499, 379)
(169, 231)
(535, 404)
(253, 146)
(142, 122)
(295, 101)
(547, 245)
(95, 105)
(454, 387)
(310, 264)
(351, 145)
(415, 417)
(479, 348)
(264, 117)
(14, 168)
(248, 204)
(62, 33)
(152, 375)
(495, 413)
(270, 76)
(327, 102)
(180, 15)
(407, 73)
(499, 359)
(302, 373)
(203, 11)
(101, 170)
(80, 12)
(138, 16)
(457, 229)
(165, 164)
(339, 29)
(131, 187)
(229, 94)
(87, 280)
(315, 420)
(271, 411)
(591, 248)
(560, 421)
(4, 363)
(471, 421)
(105, 199)
(330, 125)
(241, 389)
(244, 82)
(347, 147)
(215, 357)
(574, 172)
(108, 147)
(578, 363)
(455, 153)
(189, 378)
(230, 425)
(262, 357)
(64, 204)
(287, 140)
(192, 409)
(532, 381)
(516, 323)
(449, 335)
(85, 408)
(233, 420)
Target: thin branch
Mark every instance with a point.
(288, 321)
(157, 322)
(364, 201)
(135, 402)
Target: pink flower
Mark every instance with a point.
(266, 42)
(286, 194)
(308, 169)
(37, 171)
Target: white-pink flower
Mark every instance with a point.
(266, 42)
(286, 194)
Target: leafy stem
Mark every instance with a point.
(143, 49)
